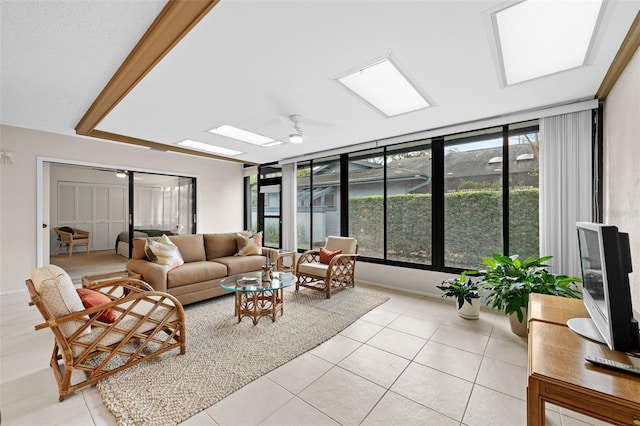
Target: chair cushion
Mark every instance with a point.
(59, 295)
(346, 244)
(91, 298)
(130, 322)
(313, 269)
(164, 252)
(326, 255)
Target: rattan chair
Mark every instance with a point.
(148, 323)
(329, 277)
(77, 237)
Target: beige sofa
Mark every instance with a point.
(208, 258)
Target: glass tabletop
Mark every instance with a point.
(252, 282)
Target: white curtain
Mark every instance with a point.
(289, 206)
(565, 187)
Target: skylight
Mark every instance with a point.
(271, 144)
(383, 86)
(208, 148)
(536, 38)
(241, 135)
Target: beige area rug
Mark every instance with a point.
(222, 356)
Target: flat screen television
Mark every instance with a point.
(605, 260)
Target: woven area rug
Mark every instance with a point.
(222, 356)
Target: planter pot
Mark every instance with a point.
(517, 327)
(470, 311)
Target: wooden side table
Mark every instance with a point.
(285, 261)
(559, 374)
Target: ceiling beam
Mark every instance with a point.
(175, 20)
(627, 49)
(156, 145)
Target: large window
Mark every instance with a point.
(409, 218)
(366, 201)
(524, 189)
(472, 197)
(303, 205)
(318, 201)
(439, 204)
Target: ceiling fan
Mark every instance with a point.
(296, 136)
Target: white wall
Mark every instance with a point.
(621, 163)
(415, 281)
(219, 189)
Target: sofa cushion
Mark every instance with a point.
(191, 247)
(242, 264)
(194, 272)
(220, 245)
(138, 248)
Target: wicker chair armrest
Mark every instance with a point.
(127, 284)
(121, 304)
(342, 258)
(308, 256)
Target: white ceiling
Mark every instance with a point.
(252, 63)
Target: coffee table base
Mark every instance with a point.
(259, 304)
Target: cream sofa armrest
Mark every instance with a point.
(152, 273)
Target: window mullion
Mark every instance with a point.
(505, 190)
(437, 203)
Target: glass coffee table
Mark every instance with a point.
(255, 298)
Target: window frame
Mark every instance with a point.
(437, 146)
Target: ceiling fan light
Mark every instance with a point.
(295, 138)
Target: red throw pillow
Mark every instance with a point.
(326, 255)
(91, 298)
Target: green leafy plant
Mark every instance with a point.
(460, 288)
(508, 282)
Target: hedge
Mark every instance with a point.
(473, 221)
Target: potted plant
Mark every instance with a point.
(466, 292)
(508, 281)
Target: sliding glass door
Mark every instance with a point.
(161, 204)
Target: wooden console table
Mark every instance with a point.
(559, 374)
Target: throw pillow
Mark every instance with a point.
(91, 298)
(148, 252)
(165, 252)
(249, 245)
(326, 255)
(59, 295)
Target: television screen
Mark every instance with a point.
(605, 262)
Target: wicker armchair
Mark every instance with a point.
(147, 323)
(70, 237)
(332, 276)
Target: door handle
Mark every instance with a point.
(44, 225)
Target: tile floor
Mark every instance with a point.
(411, 361)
